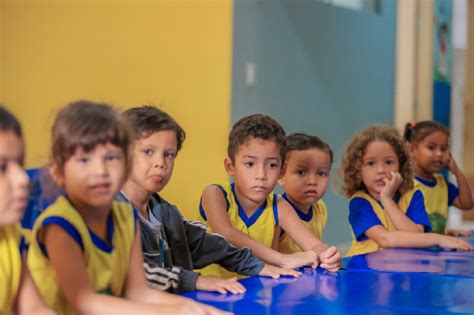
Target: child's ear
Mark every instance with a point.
(56, 174)
(283, 170)
(229, 166)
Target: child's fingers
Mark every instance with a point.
(331, 267)
(290, 272)
(331, 251)
(232, 286)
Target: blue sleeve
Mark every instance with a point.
(201, 209)
(135, 218)
(417, 211)
(23, 245)
(453, 193)
(362, 217)
(67, 226)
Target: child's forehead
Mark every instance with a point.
(101, 146)
(308, 153)
(153, 137)
(258, 145)
(437, 136)
(11, 146)
(380, 147)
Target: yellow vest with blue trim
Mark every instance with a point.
(436, 202)
(260, 226)
(107, 271)
(316, 225)
(10, 266)
(369, 245)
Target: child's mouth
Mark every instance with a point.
(311, 193)
(157, 178)
(101, 188)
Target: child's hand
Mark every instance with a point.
(223, 286)
(451, 165)
(296, 260)
(276, 272)
(392, 182)
(330, 259)
(449, 242)
(458, 233)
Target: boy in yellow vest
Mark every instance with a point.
(308, 162)
(247, 212)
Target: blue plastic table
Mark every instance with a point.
(392, 281)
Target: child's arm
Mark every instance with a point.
(388, 239)
(65, 255)
(29, 300)
(214, 205)
(399, 219)
(464, 199)
(330, 257)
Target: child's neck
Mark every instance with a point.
(95, 219)
(302, 207)
(249, 206)
(138, 196)
(418, 172)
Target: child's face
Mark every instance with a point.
(307, 176)
(256, 169)
(378, 161)
(13, 179)
(432, 153)
(153, 160)
(92, 179)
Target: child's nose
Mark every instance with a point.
(382, 168)
(313, 179)
(19, 176)
(159, 162)
(100, 167)
(261, 173)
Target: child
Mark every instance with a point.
(167, 238)
(86, 250)
(247, 213)
(428, 145)
(18, 293)
(308, 162)
(384, 209)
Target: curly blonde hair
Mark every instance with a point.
(351, 165)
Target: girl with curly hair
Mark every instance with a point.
(384, 208)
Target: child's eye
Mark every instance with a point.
(274, 165)
(323, 173)
(83, 160)
(169, 155)
(112, 157)
(3, 166)
(370, 163)
(148, 152)
(300, 172)
(249, 164)
(389, 162)
(431, 147)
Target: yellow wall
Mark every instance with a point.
(171, 52)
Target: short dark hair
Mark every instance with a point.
(256, 126)
(416, 132)
(148, 119)
(302, 141)
(8, 122)
(86, 124)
